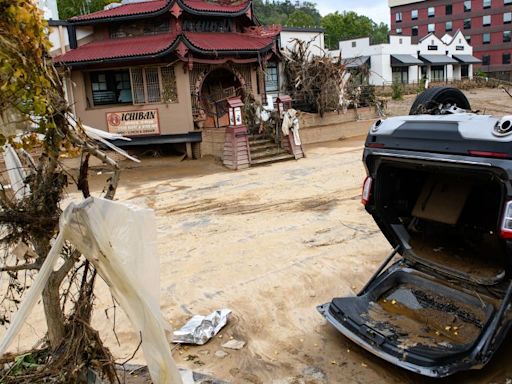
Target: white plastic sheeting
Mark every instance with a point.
(103, 137)
(120, 241)
(16, 172)
(291, 123)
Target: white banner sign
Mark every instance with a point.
(134, 123)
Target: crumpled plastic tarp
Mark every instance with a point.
(199, 329)
(120, 241)
(16, 172)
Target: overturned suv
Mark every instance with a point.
(439, 188)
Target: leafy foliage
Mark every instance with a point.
(349, 25)
(284, 13)
(300, 18)
(32, 100)
(398, 90)
(70, 8)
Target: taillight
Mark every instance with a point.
(367, 191)
(506, 224)
(498, 155)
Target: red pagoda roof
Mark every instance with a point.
(125, 10)
(202, 5)
(144, 46)
(227, 41)
(119, 48)
(154, 6)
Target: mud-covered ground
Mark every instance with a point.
(270, 243)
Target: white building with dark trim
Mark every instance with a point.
(436, 59)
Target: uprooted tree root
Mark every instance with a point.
(80, 354)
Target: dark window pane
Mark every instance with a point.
(449, 9)
(272, 77)
(111, 87)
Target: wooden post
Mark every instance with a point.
(237, 154)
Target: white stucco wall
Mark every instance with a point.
(380, 55)
(317, 40)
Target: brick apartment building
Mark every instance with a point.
(486, 24)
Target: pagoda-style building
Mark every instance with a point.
(162, 71)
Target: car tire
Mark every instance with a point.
(426, 101)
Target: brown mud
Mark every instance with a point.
(270, 243)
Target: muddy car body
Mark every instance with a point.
(439, 188)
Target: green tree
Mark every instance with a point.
(300, 19)
(32, 99)
(380, 33)
(280, 12)
(70, 8)
(350, 25)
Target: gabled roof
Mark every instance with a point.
(430, 35)
(156, 7)
(125, 48)
(227, 41)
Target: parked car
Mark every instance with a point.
(439, 188)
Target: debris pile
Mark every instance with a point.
(315, 83)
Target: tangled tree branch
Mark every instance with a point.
(34, 114)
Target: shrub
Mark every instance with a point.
(397, 91)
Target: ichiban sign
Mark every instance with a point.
(134, 123)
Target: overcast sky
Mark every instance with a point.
(377, 10)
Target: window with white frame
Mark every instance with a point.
(431, 28)
(398, 17)
(467, 6)
(507, 17)
(486, 38)
(486, 20)
(431, 11)
(448, 26)
(138, 85)
(486, 4)
(414, 14)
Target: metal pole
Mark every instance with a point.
(381, 268)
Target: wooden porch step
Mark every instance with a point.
(268, 153)
(272, 159)
(257, 137)
(259, 141)
(262, 147)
